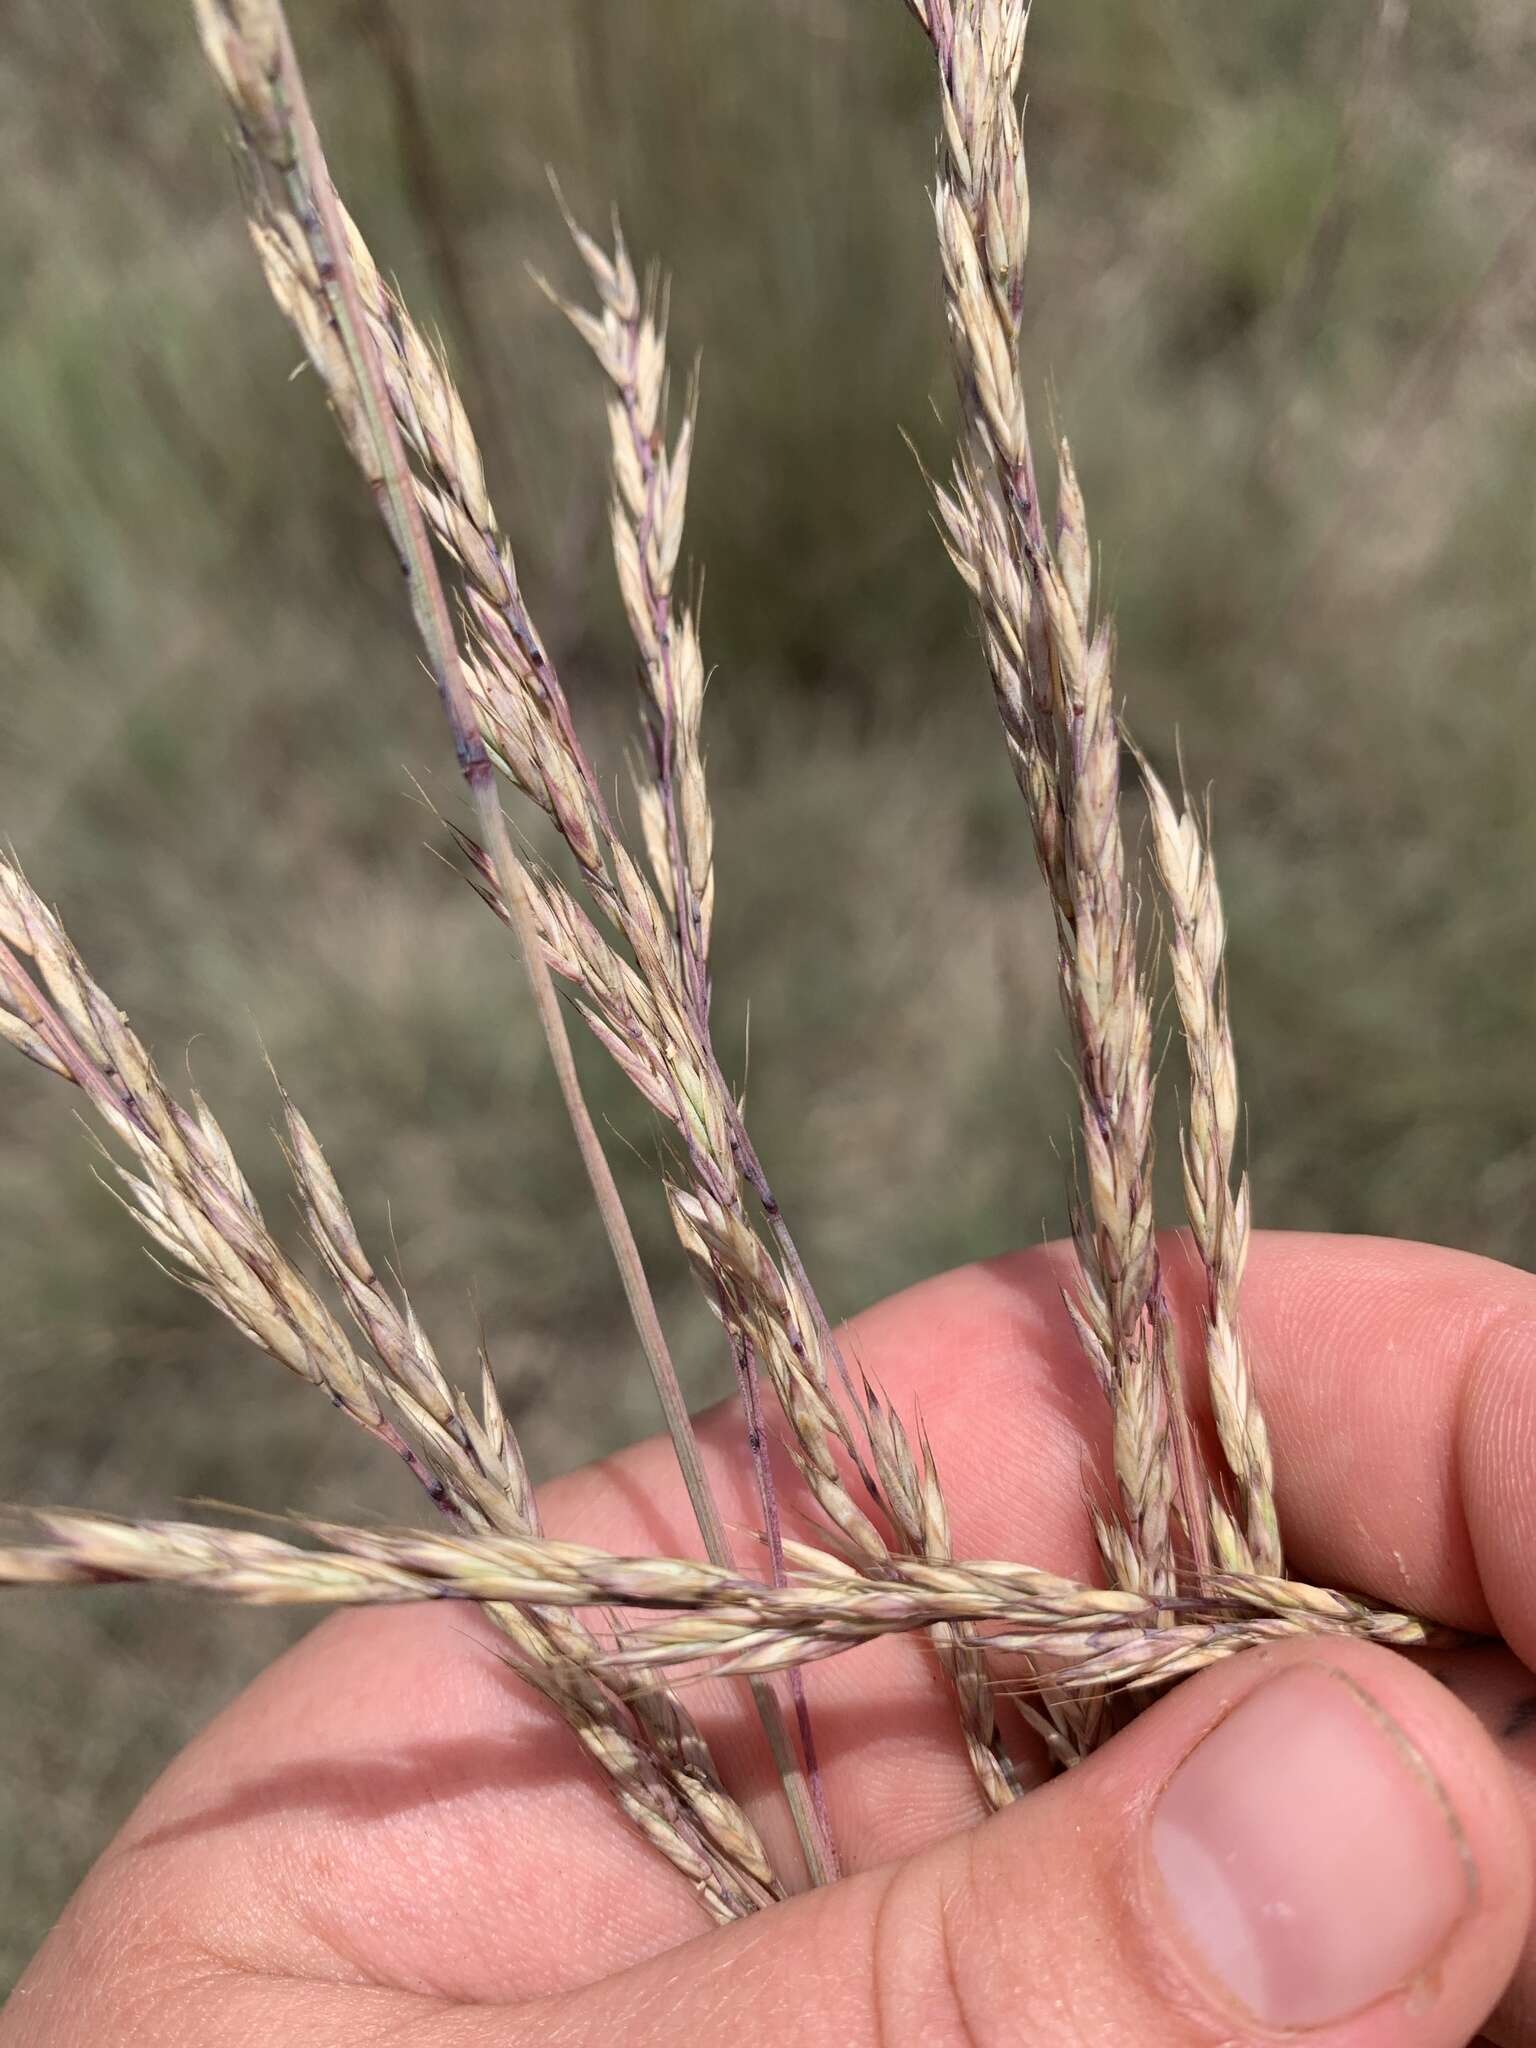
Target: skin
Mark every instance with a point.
(386, 1840)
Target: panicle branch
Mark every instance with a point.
(1217, 1211)
(323, 278)
(1052, 673)
(186, 1189)
(738, 1624)
(650, 491)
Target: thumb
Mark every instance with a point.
(1314, 1840)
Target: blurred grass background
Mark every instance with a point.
(1284, 286)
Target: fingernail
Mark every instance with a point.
(1314, 1861)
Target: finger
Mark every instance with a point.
(1308, 1841)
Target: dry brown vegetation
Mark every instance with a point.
(642, 969)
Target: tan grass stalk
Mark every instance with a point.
(1104, 1636)
(1052, 671)
(326, 283)
(252, 53)
(1218, 1212)
(248, 44)
(650, 493)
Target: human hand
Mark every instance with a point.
(387, 1839)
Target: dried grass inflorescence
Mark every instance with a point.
(1193, 1558)
(1111, 1637)
(1052, 673)
(187, 1189)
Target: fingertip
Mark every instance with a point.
(1311, 1841)
(1334, 1845)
